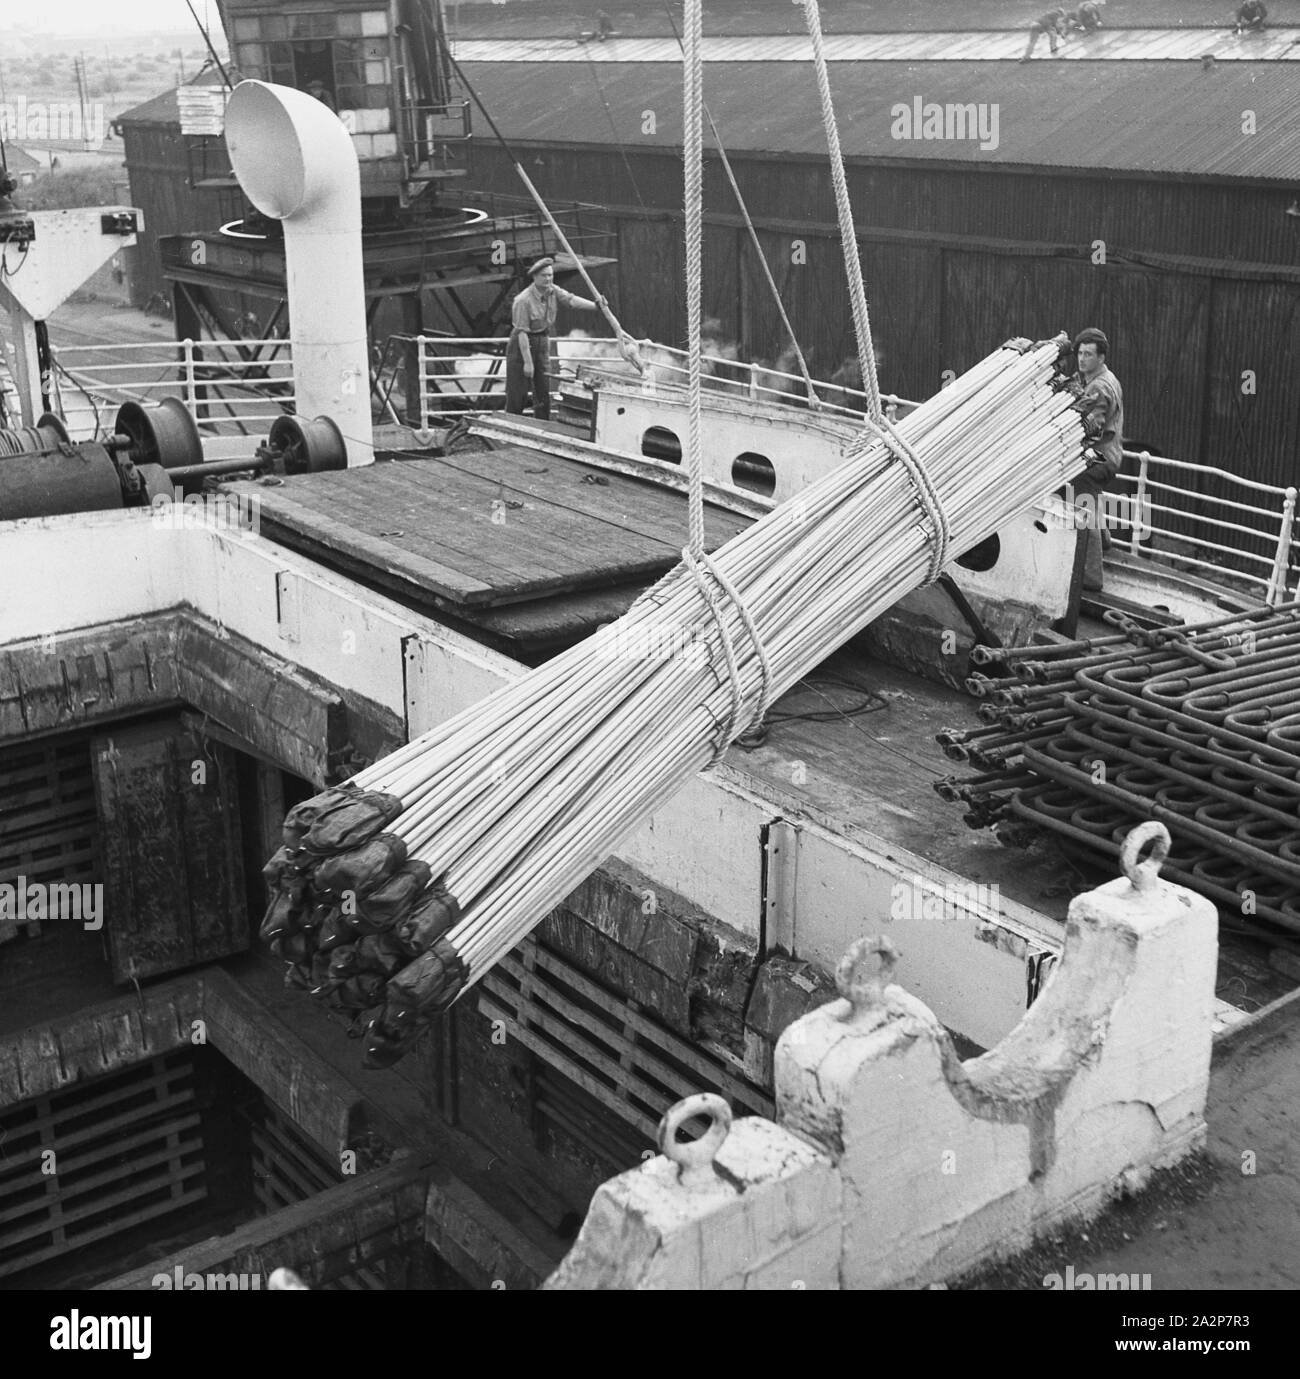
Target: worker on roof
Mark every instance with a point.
(1250, 17)
(529, 351)
(1052, 24)
(1087, 18)
(604, 26)
(1101, 404)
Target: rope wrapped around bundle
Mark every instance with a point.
(454, 847)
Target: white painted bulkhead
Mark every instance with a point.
(1034, 557)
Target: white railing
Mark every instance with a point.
(1256, 531)
(226, 392)
(1247, 536)
(1254, 542)
(468, 374)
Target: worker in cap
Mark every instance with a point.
(1250, 18)
(1100, 402)
(1053, 24)
(1086, 18)
(531, 318)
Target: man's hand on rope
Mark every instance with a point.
(631, 351)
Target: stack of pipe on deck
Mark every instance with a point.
(399, 890)
(1197, 726)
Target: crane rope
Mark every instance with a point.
(877, 424)
(814, 401)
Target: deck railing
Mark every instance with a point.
(468, 374)
(1187, 517)
(1211, 522)
(228, 387)
(1192, 518)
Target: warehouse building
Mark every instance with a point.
(1160, 200)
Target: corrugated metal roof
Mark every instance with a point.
(1154, 117)
(1126, 45)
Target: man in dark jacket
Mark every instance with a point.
(1101, 404)
(1087, 18)
(1052, 24)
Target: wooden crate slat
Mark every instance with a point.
(165, 1066)
(73, 831)
(569, 1034)
(68, 1167)
(21, 855)
(70, 1192)
(181, 1172)
(286, 1179)
(36, 780)
(571, 1069)
(145, 1115)
(287, 1190)
(644, 1060)
(716, 1072)
(71, 1216)
(93, 1132)
(622, 1075)
(80, 1099)
(194, 1194)
(282, 1138)
(273, 1166)
(77, 861)
(293, 1140)
(28, 809)
(271, 1197)
(100, 1180)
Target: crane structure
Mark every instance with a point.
(385, 70)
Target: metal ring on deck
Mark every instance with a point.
(855, 980)
(1144, 875)
(694, 1160)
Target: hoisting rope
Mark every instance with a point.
(697, 561)
(848, 233)
(814, 401)
(627, 346)
(693, 158)
(877, 423)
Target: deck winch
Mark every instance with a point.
(152, 451)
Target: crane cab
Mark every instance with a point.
(382, 67)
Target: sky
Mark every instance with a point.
(94, 16)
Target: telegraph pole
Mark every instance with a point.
(79, 67)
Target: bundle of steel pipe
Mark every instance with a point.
(1197, 726)
(512, 803)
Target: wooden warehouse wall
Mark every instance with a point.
(159, 170)
(1201, 282)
